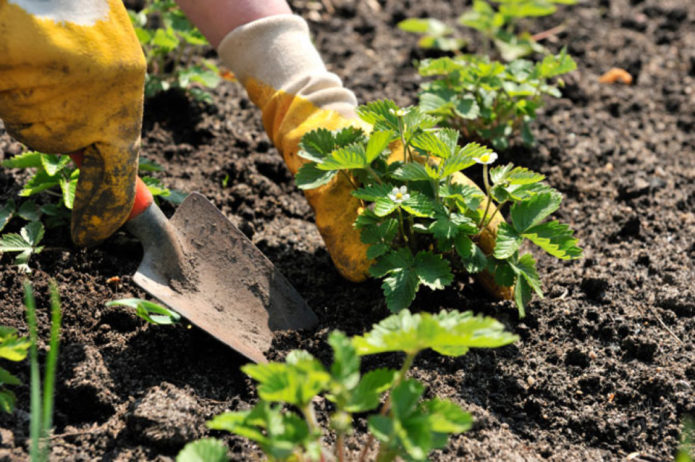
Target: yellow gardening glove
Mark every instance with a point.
(72, 78)
(284, 75)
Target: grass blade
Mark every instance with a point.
(35, 392)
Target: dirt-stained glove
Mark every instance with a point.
(284, 75)
(71, 78)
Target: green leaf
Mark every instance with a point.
(463, 159)
(346, 364)
(278, 434)
(467, 196)
(381, 114)
(149, 311)
(418, 205)
(552, 66)
(433, 144)
(8, 379)
(429, 26)
(505, 276)
(381, 427)
(447, 417)
(296, 381)
(316, 145)
(555, 238)
(373, 192)
(396, 260)
(525, 267)
(309, 176)
(204, 450)
(466, 108)
(38, 183)
(449, 333)
(53, 164)
(384, 206)
(346, 158)
(29, 159)
(7, 401)
(29, 211)
(472, 256)
(448, 225)
(400, 289)
(377, 250)
(514, 175)
(165, 39)
(68, 188)
(413, 171)
(533, 210)
(13, 347)
(365, 397)
(6, 212)
(507, 242)
(378, 142)
(522, 295)
(433, 270)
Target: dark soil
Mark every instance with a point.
(605, 369)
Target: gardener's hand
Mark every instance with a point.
(71, 79)
(284, 75)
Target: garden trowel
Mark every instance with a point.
(200, 265)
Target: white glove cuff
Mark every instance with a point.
(277, 51)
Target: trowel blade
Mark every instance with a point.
(229, 288)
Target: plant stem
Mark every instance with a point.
(349, 178)
(35, 388)
(51, 361)
(400, 224)
(487, 196)
(340, 447)
(371, 171)
(492, 215)
(310, 417)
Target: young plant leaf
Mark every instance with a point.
(533, 210)
(203, 450)
(365, 397)
(296, 381)
(448, 333)
(447, 417)
(433, 270)
(7, 210)
(309, 176)
(418, 205)
(12, 346)
(472, 256)
(29, 211)
(555, 238)
(349, 157)
(414, 172)
(373, 192)
(507, 243)
(29, 159)
(149, 311)
(378, 142)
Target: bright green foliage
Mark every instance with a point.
(490, 100)
(205, 450)
(435, 34)
(56, 177)
(406, 426)
(12, 348)
(149, 311)
(170, 41)
(449, 333)
(496, 20)
(25, 243)
(42, 399)
(421, 225)
(500, 25)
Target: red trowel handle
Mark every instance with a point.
(143, 196)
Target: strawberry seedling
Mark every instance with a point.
(406, 426)
(488, 100)
(170, 41)
(421, 217)
(151, 312)
(496, 20)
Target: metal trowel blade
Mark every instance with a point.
(199, 264)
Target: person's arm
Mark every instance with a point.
(216, 18)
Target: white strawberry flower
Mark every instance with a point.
(399, 195)
(487, 158)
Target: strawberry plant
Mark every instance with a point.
(12, 348)
(488, 100)
(151, 312)
(496, 20)
(421, 218)
(170, 43)
(406, 426)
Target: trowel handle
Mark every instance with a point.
(143, 196)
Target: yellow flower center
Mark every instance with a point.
(399, 195)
